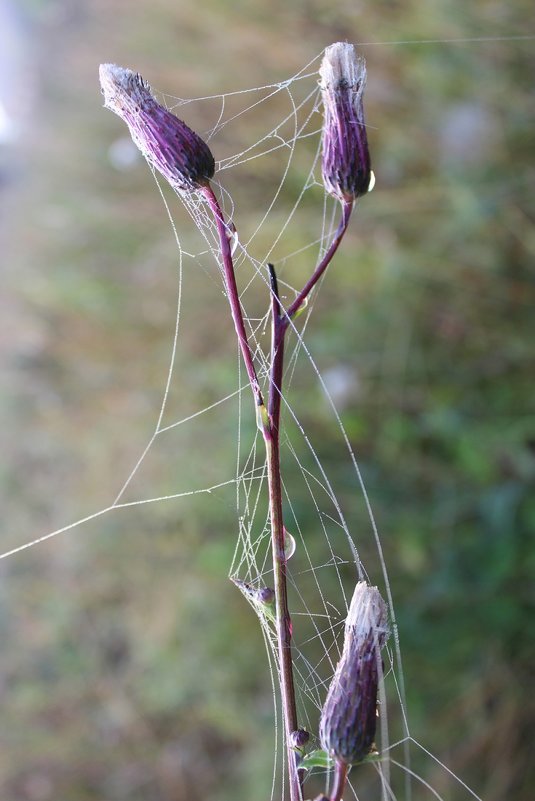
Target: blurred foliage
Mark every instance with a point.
(131, 668)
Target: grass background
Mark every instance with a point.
(130, 668)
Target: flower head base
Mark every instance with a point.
(349, 715)
(167, 143)
(346, 160)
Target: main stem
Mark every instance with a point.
(278, 533)
(270, 420)
(270, 430)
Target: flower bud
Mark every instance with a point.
(299, 738)
(265, 595)
(262, 595)
(349, 715)
(167, 143)
(346, 160)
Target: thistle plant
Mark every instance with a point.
(185, 161)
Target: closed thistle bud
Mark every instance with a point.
(167, 143)
(349, 715)
(346, 160)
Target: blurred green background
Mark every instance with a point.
(131, 668)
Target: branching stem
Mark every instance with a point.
(270, 422)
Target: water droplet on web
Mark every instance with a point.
(289, 544)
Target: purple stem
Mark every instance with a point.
(340, 779)
(232, 292)
(347, 207)
(280, 323)
(271, 432)
(278, 533)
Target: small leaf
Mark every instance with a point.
(317, 759)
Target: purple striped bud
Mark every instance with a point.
(349, 715)
(346, 160)
(166, 142)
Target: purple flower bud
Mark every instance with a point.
(349, 715)
(166, 142)
(262, 595)
(346, 160)
(299, 738)
(265, 595)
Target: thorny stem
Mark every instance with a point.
(270, 419)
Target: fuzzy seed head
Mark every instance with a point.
(167, 143)
(346, 163)
(349, 715)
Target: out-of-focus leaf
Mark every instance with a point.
(317, 759)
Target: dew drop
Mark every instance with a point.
(289, 545)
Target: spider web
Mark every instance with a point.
(326, 562)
